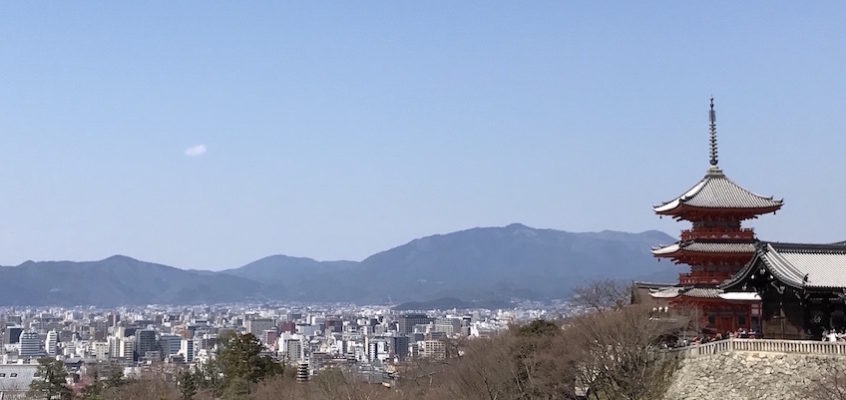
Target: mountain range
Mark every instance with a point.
(480, 264)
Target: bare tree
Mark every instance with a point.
(831, 385)
(603, 295)
(622, 357)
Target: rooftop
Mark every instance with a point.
(799, 265)
(717, 191)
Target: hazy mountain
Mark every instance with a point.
(475, 265)
(116, 280)
(479, 264)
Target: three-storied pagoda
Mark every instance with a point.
(716, 246)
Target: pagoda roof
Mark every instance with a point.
(704, 293)
(703, 247)
(799, 265)
(716, 191)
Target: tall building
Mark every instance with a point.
(377, 350)
(257, 326)
(434, 349)
(51, 343)
(294, 350)
(12, 334)
(716, 246)
(146, 342)
(127, 348)
(399, 347)
(170, 344)
(407, 322)
(114, 346)
(100, 350)
(31, 344)
(186, 348)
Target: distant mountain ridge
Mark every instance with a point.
(478, 265)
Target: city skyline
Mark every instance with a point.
(209, 136)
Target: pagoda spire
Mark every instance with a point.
(713, 118)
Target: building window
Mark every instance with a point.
(2, 375)
(741, 320)
(13, 375)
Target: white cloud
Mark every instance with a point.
(196, 150)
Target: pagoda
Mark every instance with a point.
(716, 246)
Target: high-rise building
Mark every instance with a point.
(257, 326)
(294, 350)
(186, 348)
(407, 322)
(434, 349)
(127, 348)
(399, 347)
(377, 350)
(31, 344)
(51, 343)
(114, 346)
(170, 344)
(12, 335)
(146, 341)
(100, 350)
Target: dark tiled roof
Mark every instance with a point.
(704, 247)
(806, 265)
(716, 190)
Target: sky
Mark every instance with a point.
(209, 134)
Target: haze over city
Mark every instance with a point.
(209, 135)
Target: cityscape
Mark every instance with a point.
(456, 200)
(363, 340)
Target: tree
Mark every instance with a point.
(50, 381)
(187, 386)
(621, 352)
(239, 364)
(603, 295)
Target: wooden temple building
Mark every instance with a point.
(802, 288)
(735, 281)
(716, 248)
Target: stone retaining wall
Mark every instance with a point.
(748, 375)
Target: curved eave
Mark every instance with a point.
(744, 272)
(682, 252)
(679, 209)
(666, 251)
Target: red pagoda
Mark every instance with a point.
(715, 247)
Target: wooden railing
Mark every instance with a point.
(763, 346)
(713, 233)
(687, 278)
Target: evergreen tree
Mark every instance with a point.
(187, 385)
(241, 363)
(50, 381)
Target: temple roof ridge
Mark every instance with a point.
(800, 265)
(716, 190)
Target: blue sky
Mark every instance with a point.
(209, 134)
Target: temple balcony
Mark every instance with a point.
(703, 278)
(718, 234)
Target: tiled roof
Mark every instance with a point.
(703, 293)
(705, 247)
(716, 190)
(806, 265)
(16, 378)
(666, 293)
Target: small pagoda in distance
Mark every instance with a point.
(716, 246)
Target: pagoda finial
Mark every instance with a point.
(713, 117)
